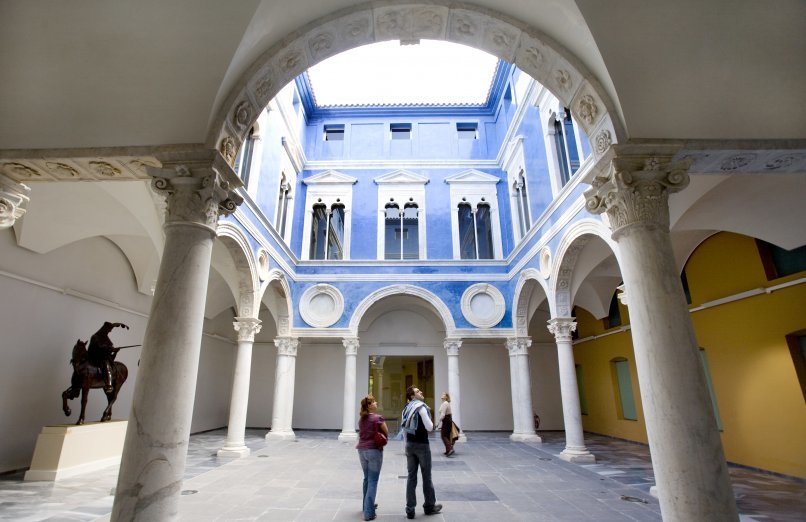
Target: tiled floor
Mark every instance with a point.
(316, 478)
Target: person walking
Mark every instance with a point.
(417, 424)
(445, 423)
(369, 454)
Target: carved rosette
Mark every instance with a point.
(286, 346)
(350, 346)
(195, 197)
(13, 199)
(636, 191)
(452, 347)
(561, 328)
(518, 346)
(247, 328)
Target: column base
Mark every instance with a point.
(576, 456)
(233, 452)
(348, 436)
(525, 437)
(281, 435)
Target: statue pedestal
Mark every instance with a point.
(66, 450)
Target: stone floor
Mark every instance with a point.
(316, 478)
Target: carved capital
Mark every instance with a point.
(562, 327)
(286, 346)
(247, 328)
(452, 346)
(518, 346)
(197, 189)
(350, 346)
(635, 191)
(13, 199)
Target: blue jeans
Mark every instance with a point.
(371, 462)
(418, 454)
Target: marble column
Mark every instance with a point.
(348, 422)
(454, 389)
(155, 448)
(13, 200)
(235, 446)
(687, 456)
(522, 412)
(575, 450)
(284, 380)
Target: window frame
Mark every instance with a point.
(401, 186)
(474, 187)
(328, 188)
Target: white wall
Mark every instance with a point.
(486, 390)
(319, 386)
(546, 394)
(213, 384)
(261, 385)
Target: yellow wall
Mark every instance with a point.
(760, 399)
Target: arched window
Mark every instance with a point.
(282, 205)
(327, 232)
(475, 231)
(565, 145)
(401, 231)
(522, 204)
(243, 162)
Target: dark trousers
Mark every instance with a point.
(445, 432)
(419, 455)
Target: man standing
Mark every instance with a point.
(416, 425)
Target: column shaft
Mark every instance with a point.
(454, 383)
(521, 390)
(239, 401)
(349, 408)
(284, 382)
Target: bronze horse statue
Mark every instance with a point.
(87, 376)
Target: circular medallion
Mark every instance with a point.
(321, 305)
(483, 305)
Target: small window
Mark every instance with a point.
(334, 132)
(797, 349)
(583, 400)
(779, 262)
(626, 402)
(400, 131)
(475, 232)
(467, 131)
(613, 318)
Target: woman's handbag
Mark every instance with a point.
(454, 432)
(380, 438)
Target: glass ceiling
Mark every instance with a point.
(429, 73)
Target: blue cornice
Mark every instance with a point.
(503, 72)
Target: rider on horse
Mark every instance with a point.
(102, 352)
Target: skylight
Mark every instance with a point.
(429, 73)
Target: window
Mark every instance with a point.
(475, 231)
(334, 132)
(710, 384)
(327, 220)
(565, 145)
(327, 232)
(623, 384)
(401, 238)
(583, 400)
(400, 131)
(467, 131)
(243, 162)
(474, 219)
(522, 204)
(282, 205)
(779, 262)
(797, 349)
(613, 318)
(686, 290)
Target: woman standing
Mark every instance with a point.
(370, 455)
(445, 423)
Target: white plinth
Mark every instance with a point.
(66, 450)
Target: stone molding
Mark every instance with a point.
(287, 346)
(518, 346)
(13, 200)
(350, 346)
(247, 328)
(321, 305)
(452, 347)
(635, 191)
(561, 328)
(483, 305)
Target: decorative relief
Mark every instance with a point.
(428, 23)
(783, 162)
(587, 109)
(199, 201)
(410, 24)
(518, 346)
(286, 346)
(562, 328)
(321, 305)
(22, 171)
(263, 89)
(603, 141)
(140, 167)
(350, 346)
(228, 150)
(283, 325)
(247, 328)
(242, 116)
(563, 79)
(737, 162)
(62, 170)
(483, 305)
(452, 347)
(464, 26)
(545, 262)
(320, 45)
(356, 29)
(263, 265)
(290, 61)
(104, 169)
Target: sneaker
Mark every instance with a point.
(410, 515)
(434, 510)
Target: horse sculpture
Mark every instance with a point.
(87, 376)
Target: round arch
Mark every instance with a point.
(433, 300)
(532, 51)
(571, 245)
(282, 316)
(522, 299)
(246, 278)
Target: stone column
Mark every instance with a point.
(521, 390)
(234, 446)
(155, 448)
(284, 379)
(350, 406)
(687, 455)
(13, 199)
(452, 350)
(575, 450)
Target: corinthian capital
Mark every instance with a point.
(13, 199)
(286, 346)
(452, 346)
(350, 346)
(562, 327)
(635, 191)
(518, 345)
(197, 186)
(247, 328)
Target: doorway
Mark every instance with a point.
(389, 376)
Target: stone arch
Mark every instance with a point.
(571, 245)
(244, 284)
(521, 299)
(531, 50)
(432, 299)
(282, 314)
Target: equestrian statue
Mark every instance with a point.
(96, 368)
